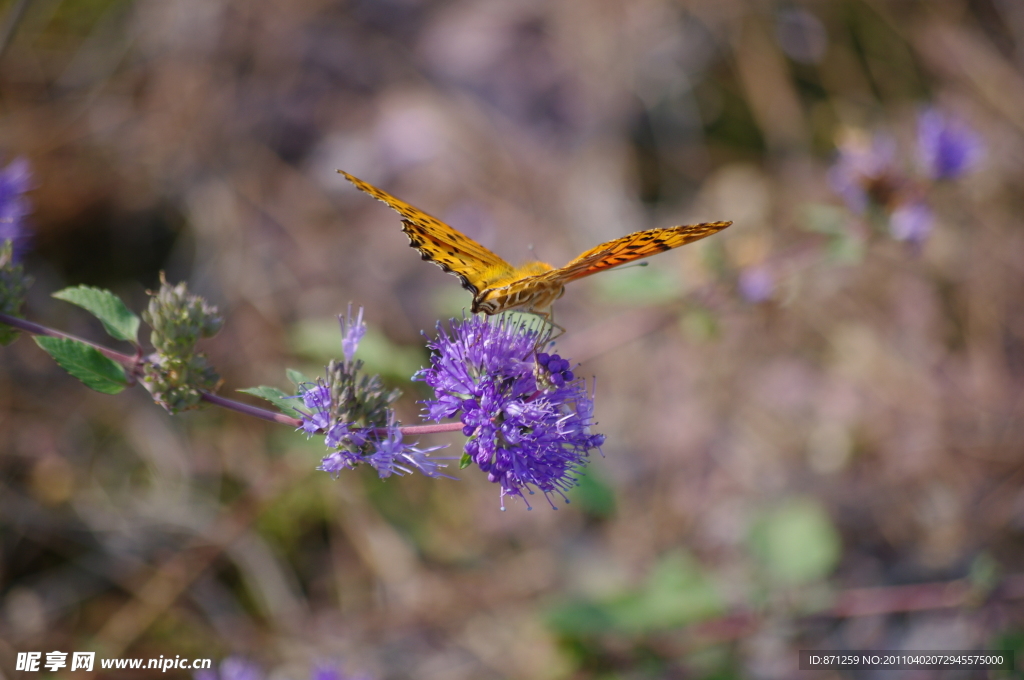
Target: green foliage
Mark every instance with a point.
(318, 339)
(284, 402)
(843, 246)
(796, 542)
(119, 322)
(984, 572)
(641, 285)
(699, 325)
(592, 495)
(1011, 641)
(13, 288)
(85, 363)
(297, 377)
(675, 594)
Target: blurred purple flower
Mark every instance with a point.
(332, 672)
(911, 222)
(801, 35)
(864, 170)
(232, 668)
(756, 284)
(528, 422)
(238, 668)
(352, 331)
(15, 180)
(947, 147)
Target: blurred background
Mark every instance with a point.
(814, 434)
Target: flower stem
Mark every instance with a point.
(133, 362)
(128, 360)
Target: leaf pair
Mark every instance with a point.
(86, 362)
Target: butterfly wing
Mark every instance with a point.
(538, 291)
(437, 242)
(635, 246)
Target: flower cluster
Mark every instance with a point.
(15, 180)
(354, 413)
(178, 374)
(239, 668)
(14, 284)
(527, 417)
(869, 179)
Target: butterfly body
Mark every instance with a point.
(498, 286)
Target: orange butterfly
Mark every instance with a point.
(498, 286)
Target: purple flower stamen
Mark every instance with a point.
(352, 331)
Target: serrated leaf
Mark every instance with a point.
(119, 321)
(284, 402)
(85, 363)
(296, 377)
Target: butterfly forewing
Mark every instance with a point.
(437, 242)
(635, 246)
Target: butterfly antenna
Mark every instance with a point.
(634, 264)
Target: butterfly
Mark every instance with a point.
(496, 285)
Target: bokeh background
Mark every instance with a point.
(830, 456)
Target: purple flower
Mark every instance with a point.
(232, 668)
(316, 398)
(946, 146)
(352, 331)
(391, 456)
(756, 284)
(15, 180)
(331, 672)
(353, 412)
(864, 171)
(911, 222)
(387, 454)
(527, 418)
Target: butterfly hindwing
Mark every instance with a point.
(437, 242)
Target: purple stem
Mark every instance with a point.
(36, 329)
(253, 411)
(132, 362)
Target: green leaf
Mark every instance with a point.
(320, 339)
(822, 218)
(642, 285)
(580, 618)
(700, 325)
(284, 402)
(119, 321)
(85, 363)
(797, 542)
(296, 377)
(593, 495)
(677, 593)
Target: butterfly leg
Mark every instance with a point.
(549, 319)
